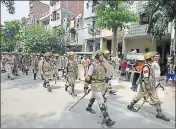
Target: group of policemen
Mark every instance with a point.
(13, 62)
(98, 77)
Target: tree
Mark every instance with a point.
(9, 32)
(10, 5)
(37, 38)
(114, 15)
(160, 13)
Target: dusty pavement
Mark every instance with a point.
(26, 104)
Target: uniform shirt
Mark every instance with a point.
(155, 66)
(109, 71)
(91, 70)
(10, 59)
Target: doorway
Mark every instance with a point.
(109, 43)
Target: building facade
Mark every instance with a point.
(95, 39)
(36, 8)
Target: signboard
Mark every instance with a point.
(135, 56)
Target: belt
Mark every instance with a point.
(97, 80)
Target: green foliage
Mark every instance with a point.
(37, 38)
(10, 33)
(114, 14)
(9, 5)
(160, 12)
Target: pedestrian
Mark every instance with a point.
(147, 87)
(72, 72)
(96, 75)
(170, 70)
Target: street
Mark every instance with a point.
(26, 104)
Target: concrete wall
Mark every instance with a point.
(140, 44)
(103, 43)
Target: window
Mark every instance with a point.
(52, 2)
(57, 15)
(53, 16)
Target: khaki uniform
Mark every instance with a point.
(3, 62)
(56, 66)
(35, 65)
(64, 65)
(46, 70)
(97, 72)
(147, 85)
(72, 71)
(85, 63)
(10, 66)
(16, 65)
(26, 61)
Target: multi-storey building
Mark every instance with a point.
(36, 8)
(136, 36)
(101, 39)
(67, 14)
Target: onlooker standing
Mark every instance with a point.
(85, 63)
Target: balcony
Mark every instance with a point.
(45, 17)
(136, 30)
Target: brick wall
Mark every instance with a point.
(74, 7)
(38, 9)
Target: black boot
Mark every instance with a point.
(112, 92)
(73, 91)
(106, 117)
(131, 107)
(42, 77)
(110, 123)
(162, 117)
(89, 108)
(44, 84)
(35, 76)
(66, 87)
(8, 76)
(48, 87)
(105, 99)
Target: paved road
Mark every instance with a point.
(25, 103)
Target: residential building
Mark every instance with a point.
(136, 36)
(36, 8)
(67, 14)
(101, 39)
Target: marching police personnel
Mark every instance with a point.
(109, 72)
(3, 61)
(36, 65)
(55, 65)
(147, 87)
(96, 75)
(10, 65)
(46, 71)
(26, 61)
(16, 64)
(72, 71)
